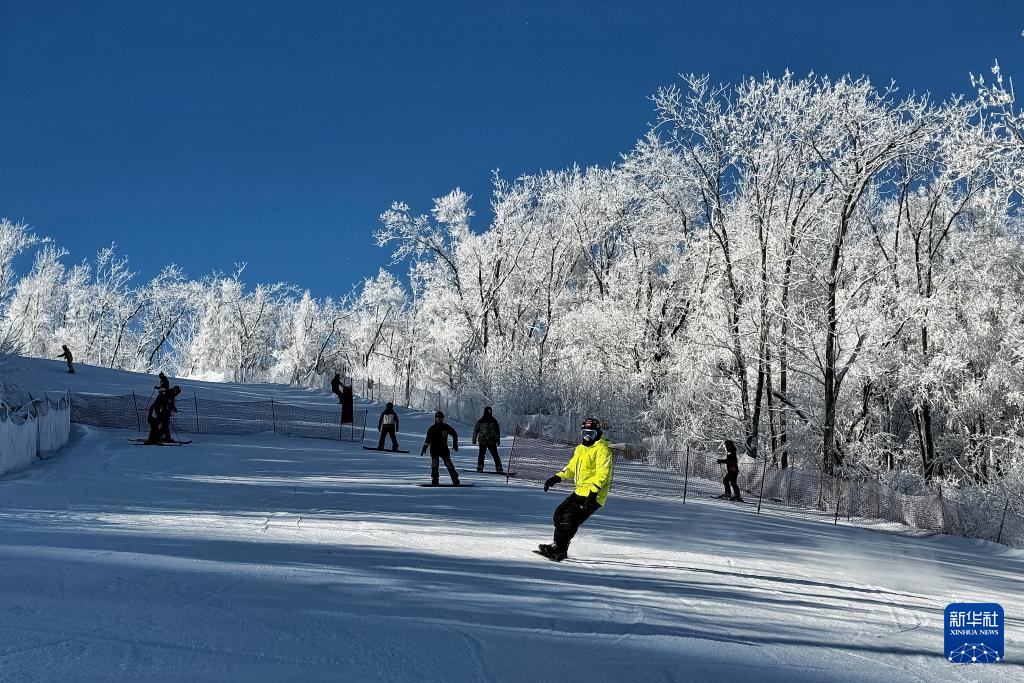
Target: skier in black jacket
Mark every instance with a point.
(387, 425)
(437, 440)
(159, 416)
(732, 471)
(164, 384)
(336, 386)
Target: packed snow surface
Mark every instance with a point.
(272, 558)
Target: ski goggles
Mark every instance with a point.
(588, 434)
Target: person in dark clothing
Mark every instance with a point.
(164, 384)
(68, 357)
(437, 440)
(154, 417)
(159, 416)
(591, 469)
(336, 386)
(387, 425)
(732, 471)
(488, 433)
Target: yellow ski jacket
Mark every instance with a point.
(591, 468)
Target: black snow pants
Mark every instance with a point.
(730, 478)
(434, 470)
(568, 517)
(494, 456)
(388, 430)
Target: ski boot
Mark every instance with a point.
(551, 552)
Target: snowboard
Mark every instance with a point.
(729, 500)
(386, 450)
(142, 442)
(546, 557)
(451, 486)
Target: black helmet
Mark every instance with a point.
(439, 414)
(591, 430)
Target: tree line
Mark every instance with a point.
(825, 271)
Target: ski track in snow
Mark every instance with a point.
(272, 558)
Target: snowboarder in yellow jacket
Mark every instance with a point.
(591, 469)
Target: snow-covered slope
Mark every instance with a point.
(271, 558)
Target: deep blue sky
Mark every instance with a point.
(207, 133)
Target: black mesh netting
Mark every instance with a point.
(693, 472)
(206, 416)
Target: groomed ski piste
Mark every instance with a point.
(271, 558)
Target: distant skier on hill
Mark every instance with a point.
(164, 384)
(732, 471)
(387, 425)
(336, 386)
(591, 468)
(437, 441)
(488, 433)
(68, 357)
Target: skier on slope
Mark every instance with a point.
(591, 468)
(437, 440)
(732, 471)
(164, 383)
(68, 357)
(159, 416)
(387, 425)
(336, 386)
(488, 433)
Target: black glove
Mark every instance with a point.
(592, 500)
(551, 482)
(424, 451)
(456, 449)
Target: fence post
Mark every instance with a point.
(764, 472)
(195, 403)
(511, 454)
(821, 484)
(341, 425)
(839, 498)
(273, 416)
(999, 536)
(138, 422)
(686, 472)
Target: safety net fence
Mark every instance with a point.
(695, 472)
(195, 415)
(31, 427)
